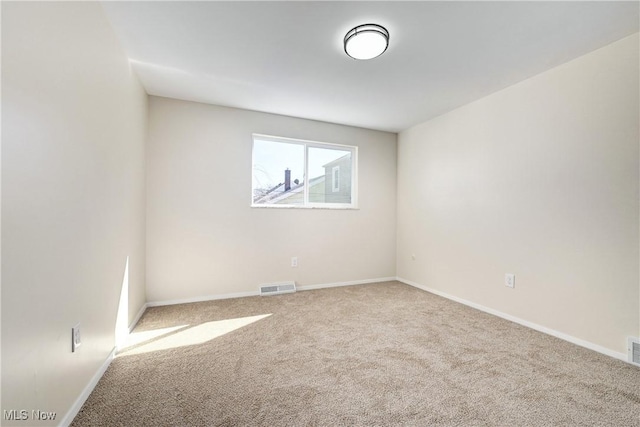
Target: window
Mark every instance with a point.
(295, 173)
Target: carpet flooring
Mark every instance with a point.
(383, 354)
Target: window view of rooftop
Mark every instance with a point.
(279, 174)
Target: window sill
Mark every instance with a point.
(340, 208)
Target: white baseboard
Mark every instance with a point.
(77, 405)
(138, 316)
(540, 328)
(257, 293)
(351, 283)
(203, 298)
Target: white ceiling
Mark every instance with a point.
(287, 57)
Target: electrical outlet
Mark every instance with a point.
(634, 350)
(75, 338)
(294, 261)
(510, 280)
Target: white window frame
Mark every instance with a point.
(311, 144)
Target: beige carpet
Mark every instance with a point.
(370, 355)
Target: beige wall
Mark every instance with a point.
(73, 137)
(203, 238)
(539, 180)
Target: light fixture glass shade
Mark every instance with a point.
(366, 41)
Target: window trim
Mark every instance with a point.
(310, 144)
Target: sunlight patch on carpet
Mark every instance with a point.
(140, 337)
(185, 335)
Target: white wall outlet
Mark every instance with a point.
(75, 338)
(510, 280)
(294, 261)
(634, 350)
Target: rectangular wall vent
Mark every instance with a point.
(277, 288)
(634, 350)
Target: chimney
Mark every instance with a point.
(287, 180)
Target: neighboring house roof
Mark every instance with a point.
(277, 193)
(339, 159)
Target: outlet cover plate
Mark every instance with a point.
(75, 338)
(633, 350)
(510, 280)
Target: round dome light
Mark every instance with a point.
(366, 41)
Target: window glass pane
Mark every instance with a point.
(329, 175)
(278, 173)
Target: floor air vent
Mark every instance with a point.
(634, 350)
(277, 288)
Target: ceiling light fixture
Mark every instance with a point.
(366, 41)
